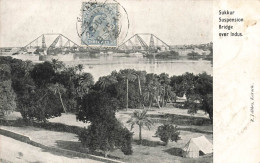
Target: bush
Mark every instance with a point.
(168, 132)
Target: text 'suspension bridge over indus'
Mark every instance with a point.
(99, 24)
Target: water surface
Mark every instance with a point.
(105, 65)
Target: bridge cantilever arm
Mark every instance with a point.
(33, 41)
(162, 41)
(126, 41)
(70, 40)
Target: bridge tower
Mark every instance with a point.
(151, 45)
(60, 41)
(43, 42)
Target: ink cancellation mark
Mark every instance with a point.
(99, 24)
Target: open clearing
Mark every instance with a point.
(16, 151)
(152, 150)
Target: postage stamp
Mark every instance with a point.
(99, 24)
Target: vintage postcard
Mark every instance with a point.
(129, 81)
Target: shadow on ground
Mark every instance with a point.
(77, 147)
(149, 143)
(174, 151)
(180, 119)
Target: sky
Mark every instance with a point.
(176, 22)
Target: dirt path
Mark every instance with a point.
(16, 151)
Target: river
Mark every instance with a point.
(105, 65)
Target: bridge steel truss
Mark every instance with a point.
(59, 39)
(144, 47)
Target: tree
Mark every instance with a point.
(83, 84)
(141, 119)
(38, 101)
(73, 83)
(79, 68)
(141, 78)
(58, 88)
(201, 96)
(57, 65)
(107, 136)
(165, 81)
(96, 106)
(40, 105)
(105, 81)
(7, 95)
(207, 105)
(153, 89)
(27, 66)
(21, 81)
(183, 84)
(168, 132)
(43, 74)
(105, 132)
(128, 75)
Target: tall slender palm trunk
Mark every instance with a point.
(140, 90)
(140, 134)
(157, 100)
(62, 102)
(126, 94)
(163, 98)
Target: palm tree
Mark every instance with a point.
(141, 77)
(141, 119)
(79, 68)
(71, 71)
(84, 82)
(128, 75)
(60, 89)
(153, 89)
(106, 81)
(57, 65)
(165, 81)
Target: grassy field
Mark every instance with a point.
(152, 149)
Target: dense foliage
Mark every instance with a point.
(96, 107)
(105, 132)
(7, 95)
(131, 88)
(107, 136)
(45, 90)
(168, 132)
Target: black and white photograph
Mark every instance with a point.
(106, 81)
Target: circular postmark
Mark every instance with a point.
(102, 24)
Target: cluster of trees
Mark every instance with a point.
(138, 89)
(45, 90)
(53, 88)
